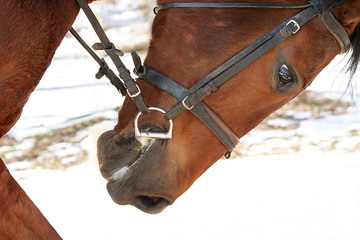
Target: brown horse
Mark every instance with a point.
(31, 31)
(187, 44)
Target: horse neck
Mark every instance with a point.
(33, 31)
(20, 218)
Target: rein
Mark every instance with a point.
(192, 99)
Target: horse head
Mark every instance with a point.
(189, 42)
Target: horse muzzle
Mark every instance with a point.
(137, 171)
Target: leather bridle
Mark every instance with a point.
(192, 99)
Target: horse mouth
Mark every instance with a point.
(147, 204)
(151, 204)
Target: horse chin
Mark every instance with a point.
(138, 180)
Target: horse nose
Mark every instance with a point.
(138, 184)
(116, 151)
(137, 171)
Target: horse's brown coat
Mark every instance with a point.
(31, 30)
(20, 218)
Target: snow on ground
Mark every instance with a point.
(299, 197)
(306, 194)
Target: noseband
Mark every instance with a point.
(192, 99)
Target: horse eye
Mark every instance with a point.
(285, 75)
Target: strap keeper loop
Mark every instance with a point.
(112, 50)
(102, 70)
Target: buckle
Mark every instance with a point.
(295, 25)
(135, 94)
(185, 105)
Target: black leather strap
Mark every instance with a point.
(322, 5)
(244, 58)
(192, 99)
(204, 113)
(228, 5)
(104, 68)
(335, 28)
(164, 83)
(129, 83)
(327, 18)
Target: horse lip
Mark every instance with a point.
(142, 201)
(147, 205)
